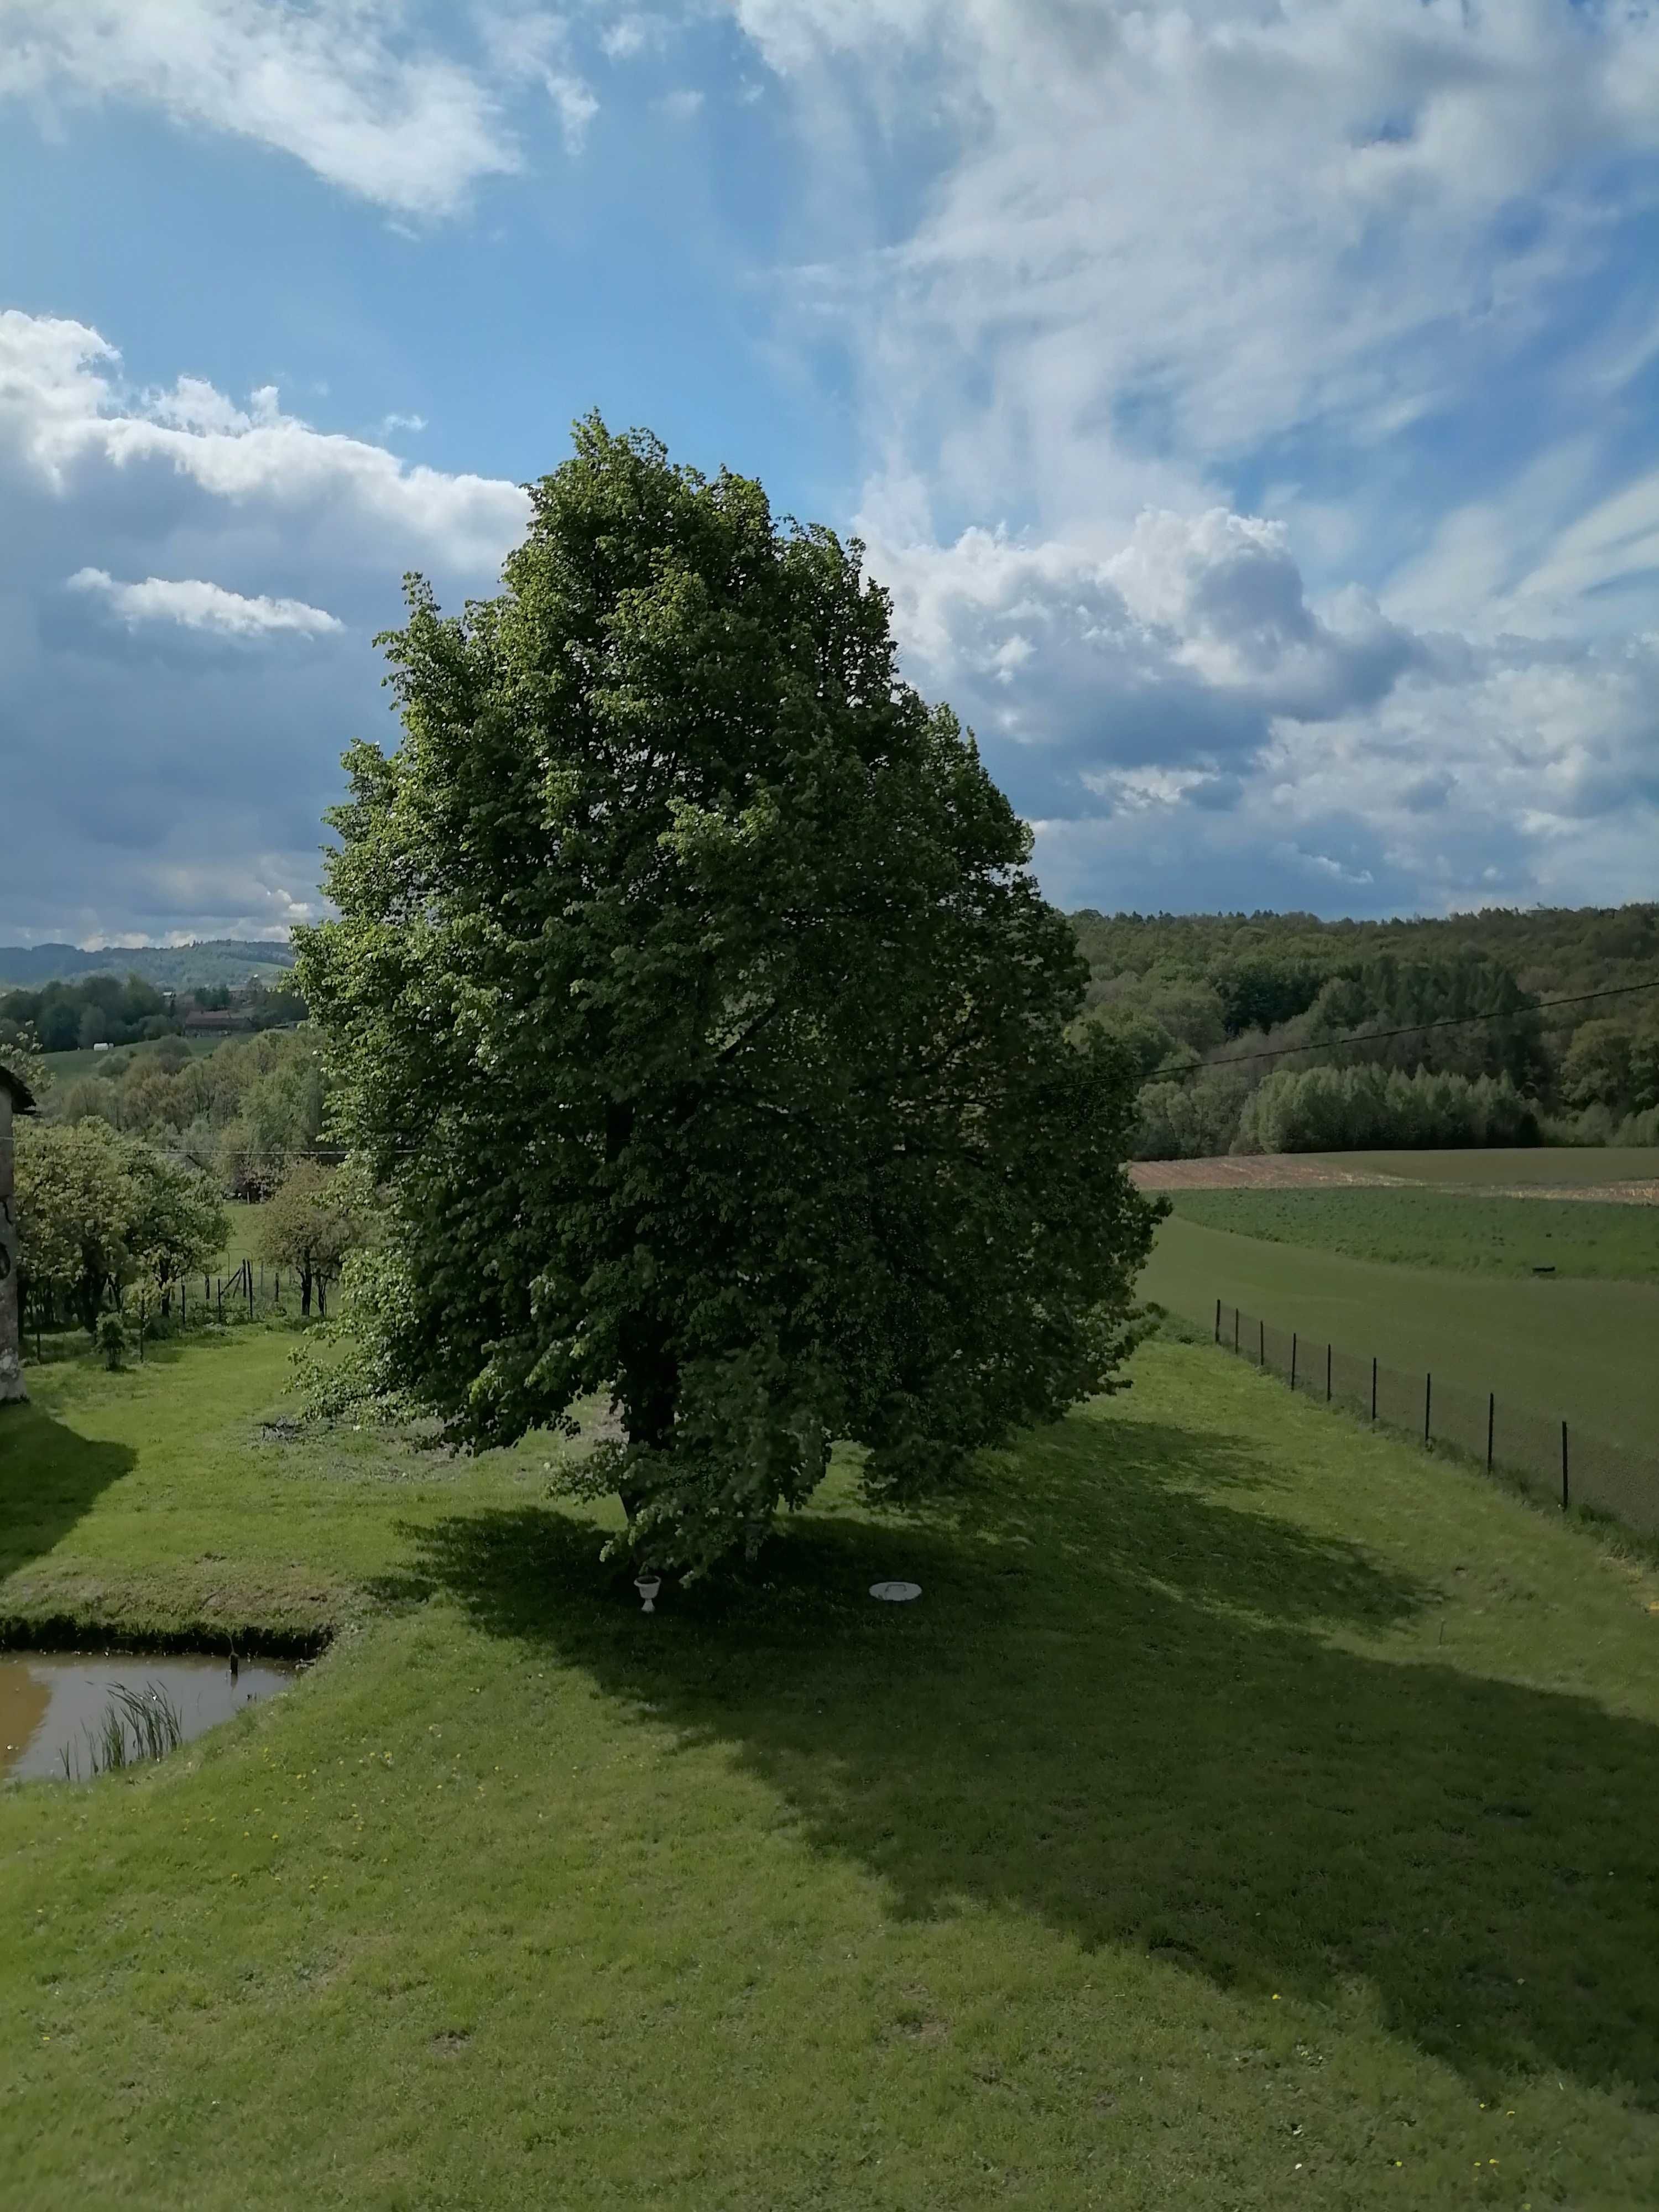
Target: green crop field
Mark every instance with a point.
(65, 1066)
(1540, 1164)
(1569, 1349)
(1471, 1235)
(1250, 1812)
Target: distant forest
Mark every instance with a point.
(1199, 1001)
(1193, 997)
(228, 960)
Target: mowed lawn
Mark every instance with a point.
(1471, 1233)
(1569, 1349)
(1252, 1811)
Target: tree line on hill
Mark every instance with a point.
(116, 1010)
(233, 961)
(1243, 1028)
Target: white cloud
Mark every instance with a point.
(535, 47)
(390, 422)
(157, 777)
(681, 104)
(1163, 267)
(196, 605)
(1159, 235)
(64, 410)
(338, 84)
(1186, 726)
(634, 34)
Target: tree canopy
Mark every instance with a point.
(691, 999)
(1212, 1005)
(310, 1222)
(97, 1211)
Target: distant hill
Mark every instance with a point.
(230, 960)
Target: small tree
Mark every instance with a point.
(76, 1206)
(692, 999)
(179, 1225)
(96, 1211)
(309, 1224)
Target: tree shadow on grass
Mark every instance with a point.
(1118, 1707)
(50, 1476)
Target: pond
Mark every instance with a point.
(82, 1702)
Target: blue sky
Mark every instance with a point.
(1254, 408)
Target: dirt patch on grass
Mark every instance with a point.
(1606, 1194)
(1296, 1171)
(1257, 1171)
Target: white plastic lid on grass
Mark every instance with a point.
(896, 1593)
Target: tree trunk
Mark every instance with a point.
(305, 1293)
(648, 1391)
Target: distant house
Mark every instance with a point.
(216, 1025)
(16, 1097)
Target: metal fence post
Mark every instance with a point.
(1218, 1320)
(1373, 1386)
(1327, 1375)
(1261, 1344)
(1292, 1360)
(1492, 1416)
(1428, 1393)
(1565, 1492)
(1234, 1328)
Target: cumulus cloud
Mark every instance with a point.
(70, 423)
(1186, 724)
(151, 782)
(196, 605)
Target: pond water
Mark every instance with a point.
(49, 1699)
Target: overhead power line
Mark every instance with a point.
(1407, 1029)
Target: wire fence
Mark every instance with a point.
(1552, 1458)
(155, 1312)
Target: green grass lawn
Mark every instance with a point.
(1567, 1349)
(242, 1238)
(1251, 1811)
(1537, 1163)
(1472, 1235)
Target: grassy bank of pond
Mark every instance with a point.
(1248, 1805)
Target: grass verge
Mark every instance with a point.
(1250, 1806)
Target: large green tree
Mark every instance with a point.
(691, 1000)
